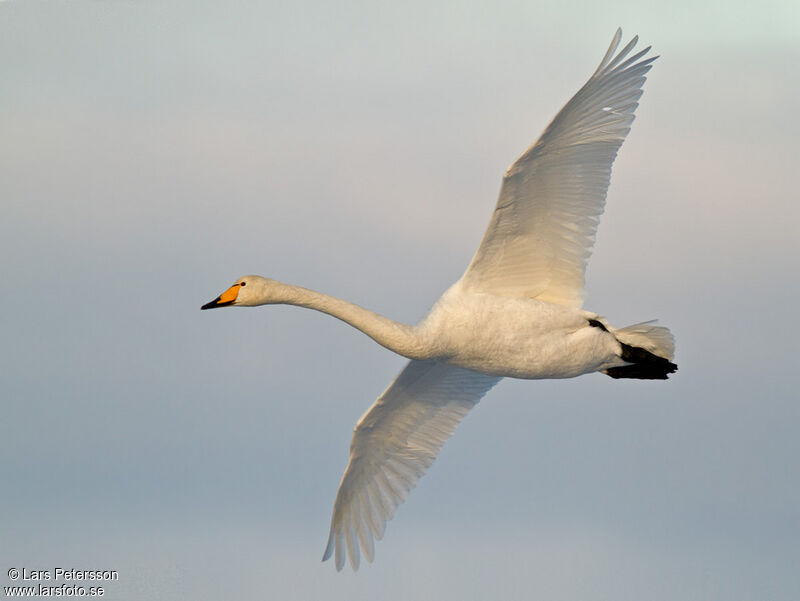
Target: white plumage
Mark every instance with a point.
(542, 230)
(514, 313)
(394, 443)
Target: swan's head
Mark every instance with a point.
(247, 291)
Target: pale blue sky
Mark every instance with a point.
(154, 151)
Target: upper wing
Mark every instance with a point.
(542, 231)
(393, 445)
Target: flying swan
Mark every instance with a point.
(516, 311)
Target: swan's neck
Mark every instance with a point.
(397, 337)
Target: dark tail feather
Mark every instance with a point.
(645, 365)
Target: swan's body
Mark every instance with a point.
(516, 337)
(515, 312)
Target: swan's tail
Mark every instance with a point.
(649, 349)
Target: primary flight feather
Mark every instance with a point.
(516, 311)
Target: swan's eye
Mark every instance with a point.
(243, 284)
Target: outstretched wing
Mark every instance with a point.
(542, 231)
(393, 444)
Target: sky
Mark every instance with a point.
(153, 152)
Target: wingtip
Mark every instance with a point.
(339, 563)
(611, 49)
(326, 555)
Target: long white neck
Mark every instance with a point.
(397, 337)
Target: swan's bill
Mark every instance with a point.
(226, 298)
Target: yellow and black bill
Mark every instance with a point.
(223, 300)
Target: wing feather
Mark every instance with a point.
(393, 445)
(543, 228)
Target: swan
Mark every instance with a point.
(516, 312)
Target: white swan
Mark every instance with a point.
(515, 312)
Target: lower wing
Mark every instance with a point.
(394, 443)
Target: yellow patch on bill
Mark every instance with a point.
(230, 294)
